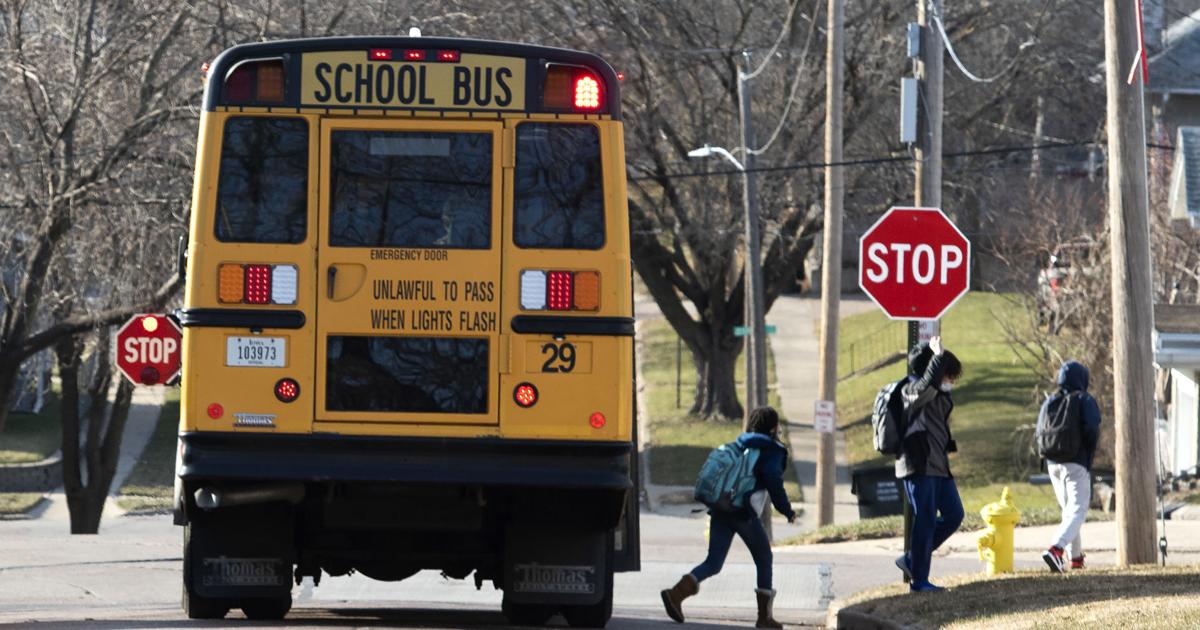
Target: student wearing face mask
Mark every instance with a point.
(924, 463)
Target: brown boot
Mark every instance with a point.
(674, 596)
(766, 598)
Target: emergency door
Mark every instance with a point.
(408, 298)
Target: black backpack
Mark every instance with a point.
(887, 418)
(1061, 435)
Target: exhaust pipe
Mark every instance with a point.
(209, 498)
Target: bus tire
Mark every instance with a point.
(526, 614)
(267, 608)
(593, 615)
(196, 606)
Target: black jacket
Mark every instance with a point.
(927, 438)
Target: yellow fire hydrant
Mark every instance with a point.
(996, 542)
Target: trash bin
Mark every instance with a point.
(878, 491)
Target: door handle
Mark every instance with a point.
(331, 276)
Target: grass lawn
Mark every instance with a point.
(31, 437)
(150, 487)
(679, 442)
(994, 396)
(1141, 597)
(18, 502)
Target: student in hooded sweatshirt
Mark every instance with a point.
(1072, 479)
(924, 461)
(762, 434)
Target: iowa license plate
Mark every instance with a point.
(255, 351)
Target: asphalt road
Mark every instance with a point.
(128, 576)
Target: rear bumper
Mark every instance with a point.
(487, 461)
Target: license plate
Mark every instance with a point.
(255, 351)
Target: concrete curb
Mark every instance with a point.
(39, 476)
(858, 620)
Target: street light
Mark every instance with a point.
(756, 349)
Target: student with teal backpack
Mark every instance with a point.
(735, 483)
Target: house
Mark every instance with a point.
(1176, 341)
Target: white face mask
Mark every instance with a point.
(946, 387)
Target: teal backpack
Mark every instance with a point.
(727, 477)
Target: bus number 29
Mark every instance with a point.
(560, 357)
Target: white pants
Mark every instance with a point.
(1073, 487)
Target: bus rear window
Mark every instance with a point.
(558, 196)
(411, 189)
(407, 374)
(262, 193)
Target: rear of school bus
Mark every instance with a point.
(408, 326)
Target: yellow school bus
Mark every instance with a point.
(408, 325)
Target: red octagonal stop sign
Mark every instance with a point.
(914, 263)
(149, 349)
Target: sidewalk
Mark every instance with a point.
(797, 352)
(144, 410)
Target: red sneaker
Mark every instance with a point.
(1076, 563)
(1054, 558)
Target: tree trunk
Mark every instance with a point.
(8, 377)
(716, 389)
(96, 459)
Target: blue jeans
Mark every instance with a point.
(929, 497)
(721, 528)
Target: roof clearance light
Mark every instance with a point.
(380, 54)
(283, 284)
(230, 283)
(525, 395)
(597, 420)
(587, 290)
(414, 55)
(533, 290)
(448, 55)
(558, 290)
(620, 76)
(587, 92)
(287, 390)
(269, 87)
(258, 284)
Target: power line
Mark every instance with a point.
(876, 160)
(937, 19)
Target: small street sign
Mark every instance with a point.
(149, 349)
(914, 263)
(824, 416)
(744, 331)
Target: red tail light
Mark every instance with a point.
(258, 284)
(525, 395)
(287, 390)
(215, 411)
(597, 420)
(558, 290)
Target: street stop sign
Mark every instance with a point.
(914, 263)
(149, 349)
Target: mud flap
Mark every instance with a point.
(555, 567)
(241, 552)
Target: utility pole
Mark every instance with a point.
(756, 378)
(1133, 315)
(831, 266)
(928, 188)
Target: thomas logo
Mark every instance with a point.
(538, 578)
